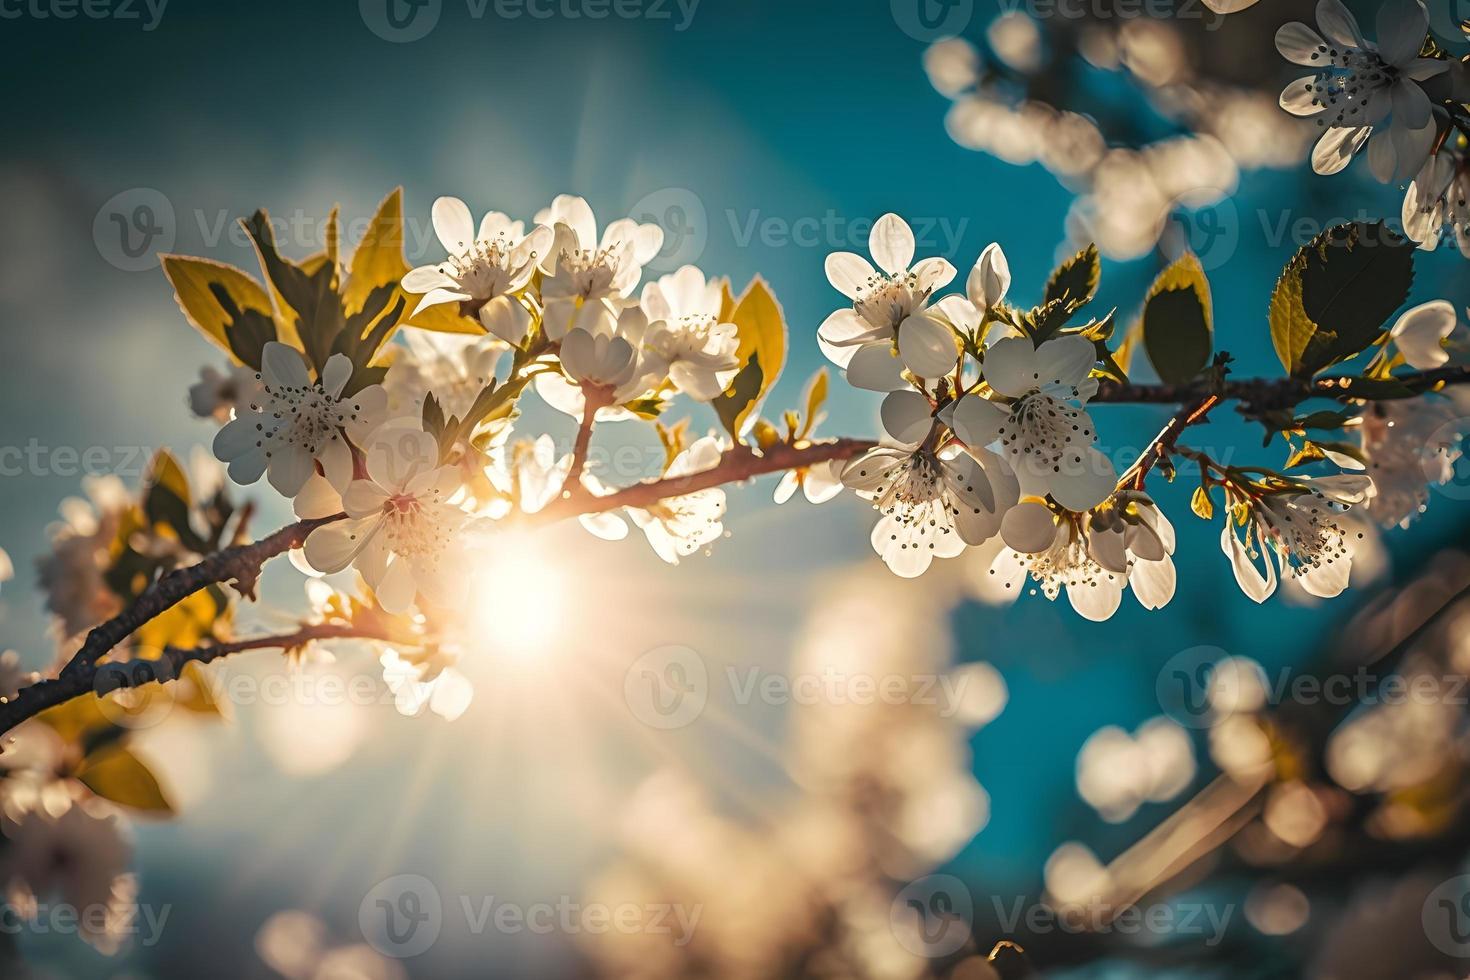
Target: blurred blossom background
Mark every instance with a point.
(1052, 764)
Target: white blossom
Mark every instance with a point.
(1358, 85)
(685, 339)
(888, 304)
(679, 526)
(587, 278)
(1437, 200)
(401, 532)
(297, 422)
(1421, 332)
(484, 269)
(1044, 432)
(934, 501)
(1299, 533)
(1409, 445)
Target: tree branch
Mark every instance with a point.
(738, 464)
(81, 678)
(239, 564)
(1266, 394)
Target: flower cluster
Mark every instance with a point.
(1400, 96)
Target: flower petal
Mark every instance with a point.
(874, 368)
(1300, 97)
(892, 244)
(282, 366)
(1082, 486)
(453, 225)
(427, 278)
(1339, 24)
(332, 547)
(1065, 361)
(990, 279)
(1402, 26)
(1153, 582)
(849, 273)
(927, 346)
(318, 498)
(1247, 576)
(1419, 332)
(974, 420)
(1010, 366)
(336, 374)
(907, 417)
(1029, 528)
(1335, 149)
(1301, 45)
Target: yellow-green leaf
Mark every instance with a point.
(379, 256)
(115, 774)
(192, 279)
(1178, 323)
(816, 397)
(762, 352)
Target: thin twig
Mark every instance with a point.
(81, 679)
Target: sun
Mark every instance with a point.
(521, 587)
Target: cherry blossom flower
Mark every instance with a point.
(484, 270)
(401, 532)
(298, 422)
(1439, 200)
(598, 367)
(598, 360)
(587, 279)
(1045, 432)
(1133, 537)
(219, 394)
(685, 339)
(819, 483)
(78, 858)
(71, 573)
(433, 682)
(1300, 532)
(1408, 446)
(454, 367)
(529, 476)
(1055, 552)
(1357, 85)
(677, 527)
(888, 305)
(1420, 333)
(933, 501)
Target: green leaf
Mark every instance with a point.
(816, 397)
(308, 300)
(115, 774)
(1336, 293)
(762, 352)
(1178, 324)
(1075, 281)
(223, 303)
(167, 501)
